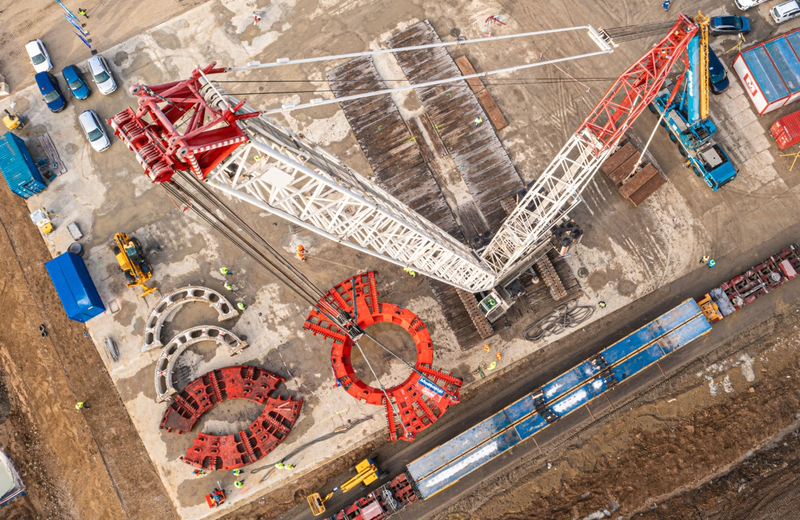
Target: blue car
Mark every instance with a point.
(75, 82)
(48, 88)
(729, 25)
(716, 73)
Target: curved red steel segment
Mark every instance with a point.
(225, 452)
(424, 396)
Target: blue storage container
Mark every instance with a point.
(18, 167)
(75, 287)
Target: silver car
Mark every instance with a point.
(94, 130)
(101, 73)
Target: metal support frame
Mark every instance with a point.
(557, 191)
(292, 177)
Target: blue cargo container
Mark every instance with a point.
(453, 460)
(18, 167)
(75, 287)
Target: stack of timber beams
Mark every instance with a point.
(399, 164)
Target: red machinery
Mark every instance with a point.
(159, 146)
(381, 503)
(216, 498)
(752, 284)
(227, 452)
(418, 401)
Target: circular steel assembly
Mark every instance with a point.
(424, 396)
(227, 452)
(173, 301)
(165, 365)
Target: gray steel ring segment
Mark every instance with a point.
(171, 302)
(183, 340)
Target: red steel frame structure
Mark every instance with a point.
(424, 396)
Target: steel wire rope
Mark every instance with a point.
(563, 317)
(383, 388)
(295, 279)
(206, 214)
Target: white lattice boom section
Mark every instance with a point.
(294, 178)
(290, 176)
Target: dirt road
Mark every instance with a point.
(88, 464)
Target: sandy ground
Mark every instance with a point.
(89, 464)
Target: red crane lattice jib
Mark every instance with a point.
(199, 396)
(418, 401)
(227, 452)
(637, 86)
(209, 135)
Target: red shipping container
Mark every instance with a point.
(786, 130)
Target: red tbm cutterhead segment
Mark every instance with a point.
(226, 452)
(424, 396)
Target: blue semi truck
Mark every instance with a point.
(679, 105)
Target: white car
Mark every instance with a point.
(785, 11)
(744, 5)
(102, 75)
(38, 55)
(94, 130)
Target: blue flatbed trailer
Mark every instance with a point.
(448, 463)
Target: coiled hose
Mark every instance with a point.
(563, 317)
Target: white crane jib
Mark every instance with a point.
(294, 178)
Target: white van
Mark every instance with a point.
(785, 11)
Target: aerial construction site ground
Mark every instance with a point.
(712, 436)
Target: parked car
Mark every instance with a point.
(717, 75)
(101, 73)
(38, 56)
(729, 25)
(744, 5)
(94, 130)
(77, 85)
(51, 93)
(784, 12)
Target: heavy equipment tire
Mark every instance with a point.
(662, 122)
(129, 277)
(147, 268)
(116, 250)
(672, 137)
(138, 245)
(681, 151)
(696, 171)
(652, 108)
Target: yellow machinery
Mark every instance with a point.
(12, 121)
(710, 309)
(131, 260)
(42, 220)
(702, 21)
(366, 473)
